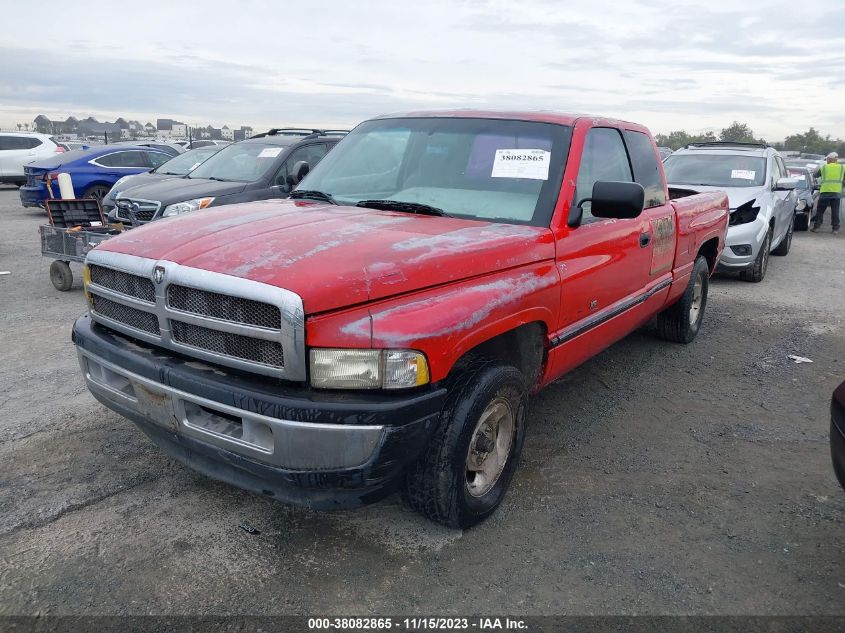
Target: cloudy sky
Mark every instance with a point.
(671, 64)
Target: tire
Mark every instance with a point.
(757, 272)
(681, 321)
(61, 275)
(802, 222)
(785, 244)
(440, 485)
(98, 192)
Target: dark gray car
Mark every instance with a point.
(259, 168)
(807, 192)
(174, 168)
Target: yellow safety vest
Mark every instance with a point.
(831, 178)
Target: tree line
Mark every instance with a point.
(809, 142)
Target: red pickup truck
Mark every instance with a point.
(384, 327)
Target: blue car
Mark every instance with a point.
(92, 171)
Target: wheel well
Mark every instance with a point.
(523, 347)
(709, 249)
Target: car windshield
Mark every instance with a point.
(185, 163)
(801, 176)
(715, 170)
(491, 169)
(240, 162)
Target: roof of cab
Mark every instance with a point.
(542, 116)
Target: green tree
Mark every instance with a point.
(679, 138)
(737, 132)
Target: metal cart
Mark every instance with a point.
(76, 226)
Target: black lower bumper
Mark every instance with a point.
(324, 450)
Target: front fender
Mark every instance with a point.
(448, 321)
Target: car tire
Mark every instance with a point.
(61, 275)
(681, 321)
(481, 427)
(757, 271)
(802, 222)
(98, 192)
(785, 244)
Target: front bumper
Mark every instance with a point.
(34, 196)
(751, 234)
(837, 433)
(321, 450)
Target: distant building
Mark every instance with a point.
(98, 130)
(150, 129)
(168, 128)
(227, 134)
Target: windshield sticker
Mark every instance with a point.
(521, 163)
(743, 174)
(270, 152)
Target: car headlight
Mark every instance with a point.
(187, 206)
(801, 205)
(744, 214)
(367, 369)
(86, 280)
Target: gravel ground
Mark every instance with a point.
(656, 478)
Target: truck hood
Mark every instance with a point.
(178, 189)
(335, 256)
(737, 196)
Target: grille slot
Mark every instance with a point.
(228, 344)
(131, 317)
(224, 307)
(124, 283)
(146, 209)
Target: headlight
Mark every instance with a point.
(801, 205)
(744, 214)
(367, 369)
(185, 207)
(86, 280)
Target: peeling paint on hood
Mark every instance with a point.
(336, 256)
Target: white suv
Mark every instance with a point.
(761, 194)
(21, 148)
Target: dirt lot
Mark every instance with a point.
(656, 479)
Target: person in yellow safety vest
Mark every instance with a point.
(830, 191)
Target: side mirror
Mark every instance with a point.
(299, 171)
(785, 184)
(618, 200)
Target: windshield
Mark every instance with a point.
(184, 163)
(801, 176)
(490, 169)
(240, 162)
(715, 170)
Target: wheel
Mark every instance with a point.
(802, 221)
(61, 275)
(757, 271)
(680, 322)
(786, 243)
(465, 471)
(98, 192)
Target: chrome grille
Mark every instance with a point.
(145, 210)
(212, 316)
(131, 317)
(234, 345)
(124, 283)
(224, 307)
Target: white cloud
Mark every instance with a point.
(668, 64)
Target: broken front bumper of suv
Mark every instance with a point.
(322, 450)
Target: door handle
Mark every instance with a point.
(645, 238)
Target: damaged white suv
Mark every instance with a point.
(762, 198)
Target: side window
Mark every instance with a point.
(646, 170)
(781, 168)
(134, 158)
(32, 142)
(311, 154)
(157, 158)
(604, 158)
(5, 142)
